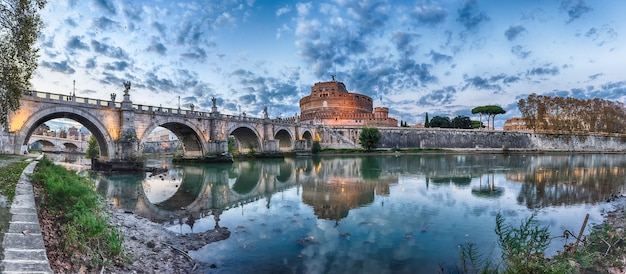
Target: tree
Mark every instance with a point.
(426, 123)
(439, 121)
(490, 111)
(20, 27)
(92, 149)
(369, 138)
(477, 124)
(462, 122)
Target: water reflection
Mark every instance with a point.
(367, 214)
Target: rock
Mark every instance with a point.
(150, 244)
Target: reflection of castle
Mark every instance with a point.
(331, 104)
(342, 184)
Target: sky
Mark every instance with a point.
(441, 57)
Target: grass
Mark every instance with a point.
(523, 251)
(10, 176)
(86, 233)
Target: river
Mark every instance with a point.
(367, 214)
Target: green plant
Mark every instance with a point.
(231, 145)
(92, 148)
(369, 138)
(523, 247)
(316, 147)
(251, 149)
(10, 176)
(83, 218)
(472, 261)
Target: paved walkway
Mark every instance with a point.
(24, 250)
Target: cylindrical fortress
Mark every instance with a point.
(331, 104)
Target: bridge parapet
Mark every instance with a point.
(69, 99)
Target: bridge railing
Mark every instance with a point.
(70, 98)
(150, 109)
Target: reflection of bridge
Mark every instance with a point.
(121, 127)
(211, 189)
(207, 189)
(56, 144)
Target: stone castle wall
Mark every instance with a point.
(348, 137)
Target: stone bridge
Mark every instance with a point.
(57, 144)
(121, 127)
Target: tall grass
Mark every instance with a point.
(82, 215)
(10, 176)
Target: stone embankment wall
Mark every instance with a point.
(348, 137)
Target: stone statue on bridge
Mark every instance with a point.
(265, 112)
(113, 95)
(126, 87)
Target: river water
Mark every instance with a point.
(367, 214)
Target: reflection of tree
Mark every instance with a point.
(458, 181)
(489, 189)
(285, 172)
(571, 179)
(247, 178)
(370, 169)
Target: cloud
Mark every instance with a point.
(110, 51)
(70, 22)
(437, 57)
(161, 28)
(484, 83)
(543, 71)
(90, 63)
(438, 97)
(469, 15)
(157, 47)
(104, 24)
(283, 10)
(595, 76)
(62, 67)
(420, 72)
(224, 19)
(601, 35)
(196, 54)
(513, 32)
(116, 66)
(429, 14)
(75, 43)
(404, 42)
(190, 34)
(575, 11)
(520, 52)
(106, 5)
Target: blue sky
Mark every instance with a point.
(442, 57)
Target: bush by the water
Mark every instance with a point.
(81, 214)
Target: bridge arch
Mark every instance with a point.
(308, 137)
(285, 139)
(189, 135)
(247, 138)
(83, 116)
(45, 144)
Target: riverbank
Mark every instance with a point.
(152, 248)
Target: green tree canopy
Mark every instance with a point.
(369, 138)
(462, 122)
(440, 121)
(426, 122)
(20, 27)
(93, 151)
(490, 111)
